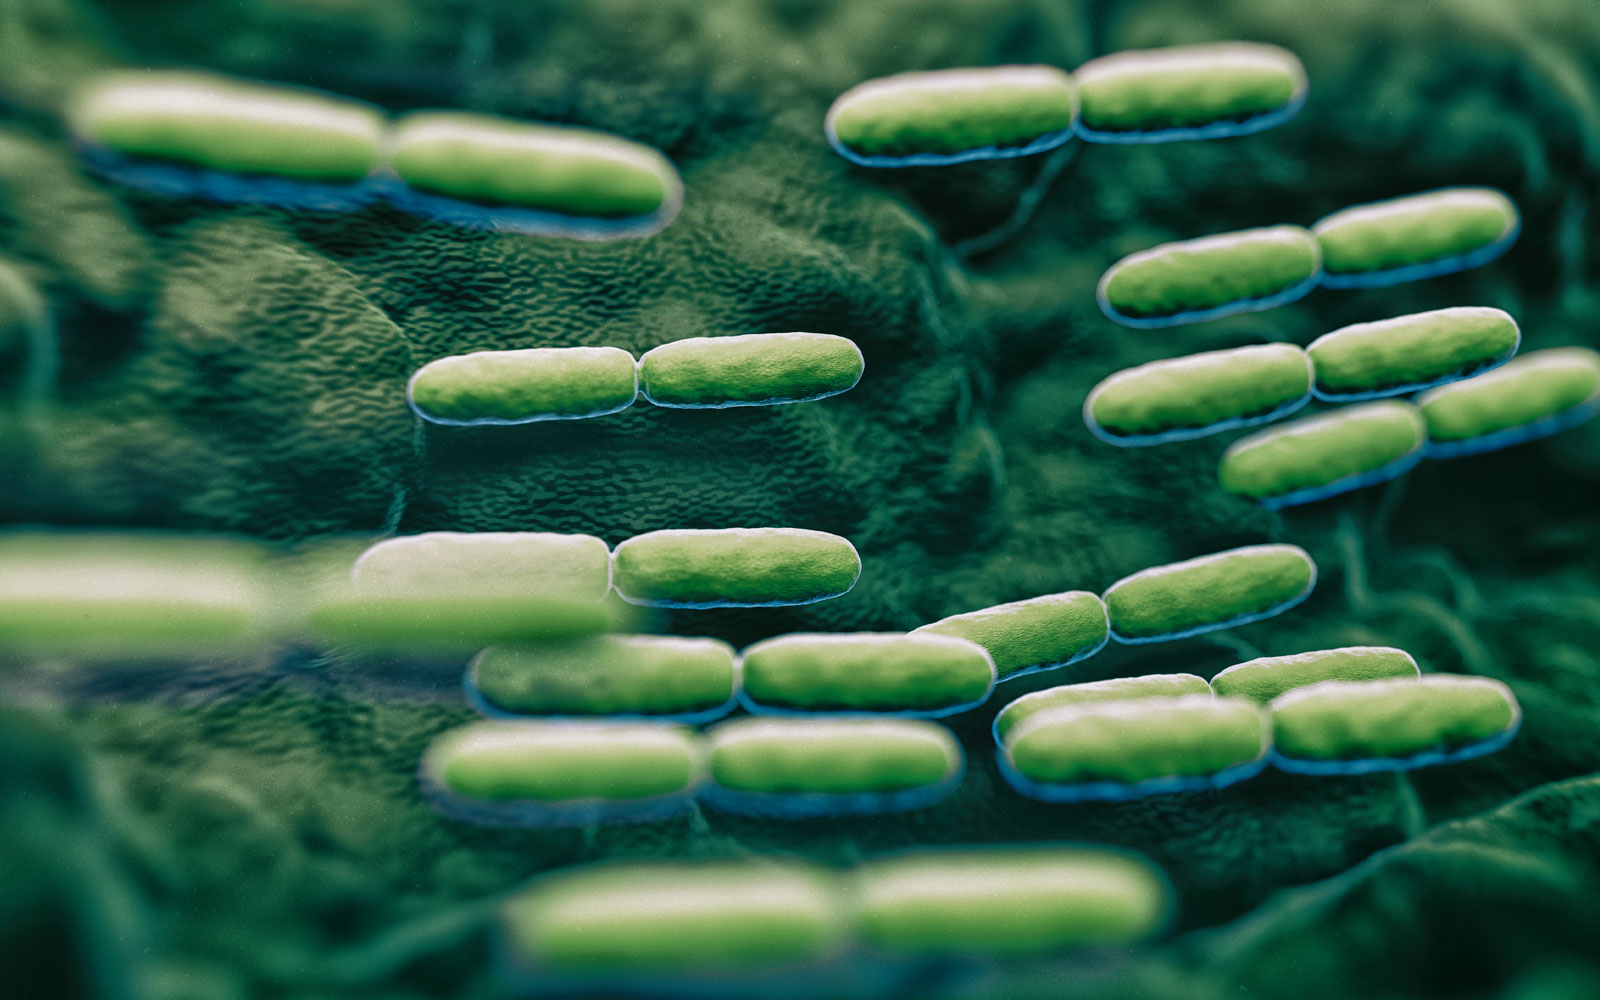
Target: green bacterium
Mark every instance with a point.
(1115, 689)
(1040, 633)
(757, 369)
(1266, 677)
(486, 562)
(523, 386)
(1210, 592)
(1180, 399)
(884, 673)
(1119, 750)
(1324, 455)
(1358, 727)
(484, 172)
(1393, 357)
(733, 567)
(1534, 396)
(953, 116)
(795, 768)
(201, 135)
(1416, 236)
(1188, 92)
(1210, 277)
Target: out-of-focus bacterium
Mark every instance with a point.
(1324, 455)
(656, 677)
(28, 343)
(1416, 236)
(486, 562)
(1040, 633)
(1011, 901)
(733, 567)
(1116, 750)
(1207, 593)
(1188, 92)
(1201, 279)
(199, 135)
(1357, 727)
(1179, 399)
(547, 774)
(1396, 356)
(1115, 689)
(953, 115)
(793, 768)
(1266, 677)
(691, 927)
(1536, 395)
(885, 673)
(523, 386)
(483, 172)
(757, 369)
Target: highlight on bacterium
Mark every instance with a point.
(953, 115)
(1210, 277)
(795, 768)
(485, 172)
(1406, 354)
(1533, 396)
(1266, 677)
(1179, 399)
(1415, 236)
(1357, 727)
(733, 567)
(550, 774)
(1327, 454)
(890, 673)
(1188, 92)
(1118, 750)
(1210, 592)
(1115, 689)
(1039, 633)
(758, 369)
(663, 678)
(201, 135)
(523, 386)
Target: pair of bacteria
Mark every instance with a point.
(567, 383)
(201, 135)
(1154, 95)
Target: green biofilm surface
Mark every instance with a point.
(252, 826)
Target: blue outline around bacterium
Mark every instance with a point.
(645, 395)
(525, 221)
(1374, 765)
(1213, 130)
(1234, 622)
(712, 605)
(816, 805)
(1293, 293)
(478, 702)
(1427, 269)
(177, 180)
(535, 814)
(1044, 143)
(1192, 433)
(1120, 791)
(1344, 484)
(1566, 420)
(507, 421)
(1405, 390)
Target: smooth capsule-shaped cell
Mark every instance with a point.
(1115, 689)
(757, 369)
(895, 673)
(1416, 236)
(733, 567)
(1179, 399)
(1201, 279)
(1357, 727)
(952, 116)
(657, 677)
(697, 927)
(1266, 677)
(1008, 901)
(795, 768)
(484, 172)
(1207, 593)
(1116, 750)
(1188, 92)
(1324, 455)
(547, 774)
(524, 386)
(1040, 633)
(1533, 396)
(202, 135)
(437, 563)
(1396, 356)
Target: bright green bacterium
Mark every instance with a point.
(523, 386)
(923, 675)
(1266, 677)
(1393, 357)
(733, 567)
(1188, 92)
(1533, 396)
(1179, 399)
(758, 369)
(1039, 633)
(1201, 279)
(1207, 593)
(1324, 455)
(1415, 236)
